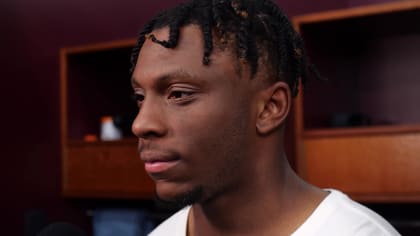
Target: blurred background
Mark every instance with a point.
(32, 33)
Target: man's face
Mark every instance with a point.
(196, 123)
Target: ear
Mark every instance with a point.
(274, 107)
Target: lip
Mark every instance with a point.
(157, 162)
(159, 166)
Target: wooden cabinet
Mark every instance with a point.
(95, 82)
(360, 131)
(371, 56)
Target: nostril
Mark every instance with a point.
(151, 134)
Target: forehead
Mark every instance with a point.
(190, 44)
(155, 60)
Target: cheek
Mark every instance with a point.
(214, 133)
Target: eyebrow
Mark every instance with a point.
(168, 77)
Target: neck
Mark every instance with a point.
(272, 200)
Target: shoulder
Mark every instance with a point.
(174, 225)
(339, 214)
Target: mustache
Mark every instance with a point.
(150, 146)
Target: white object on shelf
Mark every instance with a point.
(109, 132)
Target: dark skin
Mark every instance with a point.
(212, 128)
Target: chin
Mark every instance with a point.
(174, 197)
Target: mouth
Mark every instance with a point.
(159, 167)
(158, 162)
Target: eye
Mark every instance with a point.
(179, 94)
(139, 98)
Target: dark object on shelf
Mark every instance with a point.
(123, 122)
(349, 120)
(61, 229)
(35, 220)
(403, 216)
(122, 222)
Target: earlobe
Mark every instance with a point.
(275, 107)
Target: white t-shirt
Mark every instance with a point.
(336, 215)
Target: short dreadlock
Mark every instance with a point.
(257, 26)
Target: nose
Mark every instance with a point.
(149, 122)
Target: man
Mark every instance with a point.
(213, 82)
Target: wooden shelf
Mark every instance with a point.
(98, 47)
(357, 12)
(95, 82)
(105, 170)
(122, 142)
(369, 54)
(361, 131)
(374, 166)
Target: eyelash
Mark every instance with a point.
(139, 97)
(176, 95)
